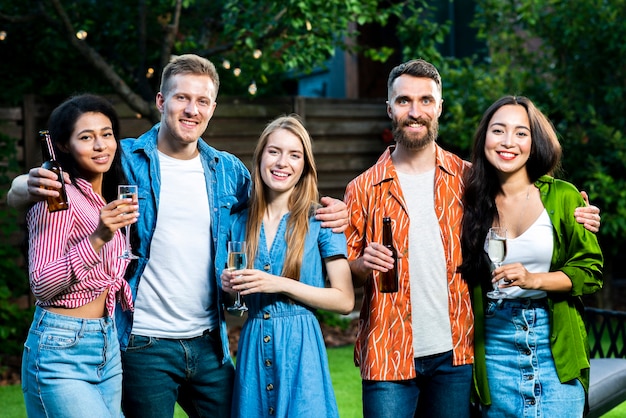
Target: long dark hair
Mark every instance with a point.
(482, 184)
(61, 125)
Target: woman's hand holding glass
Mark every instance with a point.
(113, 216)
(496, 250)
(129, 195)
(237, 260)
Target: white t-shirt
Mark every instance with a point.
(432, 331)
(175, 291)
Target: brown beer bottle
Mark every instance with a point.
(389, 279)
(50, 163)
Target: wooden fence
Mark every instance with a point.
(347, 134)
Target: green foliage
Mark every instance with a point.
(127, 39)
(569, 57)
(332, 319)
(14, 321)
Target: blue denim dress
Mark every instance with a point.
(282, 365)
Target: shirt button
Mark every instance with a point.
(271, 411)
(266, 267)
(267, 339)
(268, 362)
(266, 315)
(269, 387)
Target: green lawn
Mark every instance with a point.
(346, 382)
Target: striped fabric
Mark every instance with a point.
(384, 346)
(64, 269)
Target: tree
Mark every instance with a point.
(122, 46)
(570, 58)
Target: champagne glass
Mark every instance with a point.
(126, 191)
(496, 249)
(237, 261)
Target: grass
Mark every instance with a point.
(346, 382)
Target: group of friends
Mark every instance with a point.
(115, 338)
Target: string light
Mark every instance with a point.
(3, 35)
(252, 88)
(237, 72)
(226, 64)
(257, 54)
(150, 72)
(81, 34)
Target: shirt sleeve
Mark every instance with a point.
(580, 256)
(55, 264)
(355, 233)
(331, 244)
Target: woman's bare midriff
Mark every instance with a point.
(92, 310)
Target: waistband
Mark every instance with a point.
(44, 317)
(521, 303)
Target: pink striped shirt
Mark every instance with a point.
(65, 270)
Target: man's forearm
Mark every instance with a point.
(360, 273)
(18, 196)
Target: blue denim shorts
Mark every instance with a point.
(71, 367)
(520, 369)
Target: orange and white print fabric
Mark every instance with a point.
(384, 346)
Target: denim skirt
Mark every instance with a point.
(71, 367)
(520, 369)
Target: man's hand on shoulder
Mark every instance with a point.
(333, 214)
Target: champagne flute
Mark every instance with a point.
(126, 191)
(237, 261)
(496, 249)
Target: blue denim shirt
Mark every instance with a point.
(228, 184)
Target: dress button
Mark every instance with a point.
(268, 362)
(267, 339)
(266, 315)
(266, 267)
(269, 387)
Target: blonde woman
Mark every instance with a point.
(282, 367)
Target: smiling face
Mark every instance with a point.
(282, 162)
(414, 106)
(508, 140)
(186, 108)
(92, 145)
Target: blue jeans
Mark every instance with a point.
(521, 374)
(71, 367)
(158, 372)
(440, 390)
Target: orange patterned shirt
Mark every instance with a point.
(384, 345)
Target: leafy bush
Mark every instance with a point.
(14, 320)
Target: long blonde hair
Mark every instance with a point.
(302, 200)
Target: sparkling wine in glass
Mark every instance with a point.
(126, 191)
(237, 261)
(496, 249)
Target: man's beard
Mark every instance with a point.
(411, 141)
